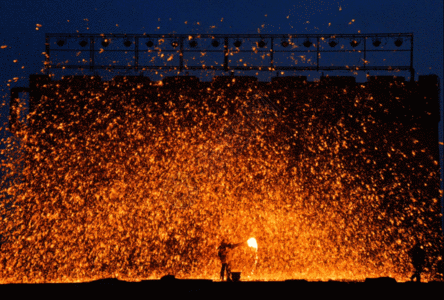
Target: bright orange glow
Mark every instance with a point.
(137, 183)
(252, 243)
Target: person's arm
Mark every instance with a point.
(237, 245)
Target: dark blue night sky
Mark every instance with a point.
(26, 44)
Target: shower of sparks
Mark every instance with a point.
(135, 184)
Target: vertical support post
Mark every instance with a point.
(412, 71)
(317, 54)
(47, 61)
(226, 54)
(441, 151)
(91, 53)
(136, 50)
(365, 52)
(271, 54)
(181, 53)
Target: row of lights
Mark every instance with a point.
(175, 43)
(261, 44)
(354, 42)
(215, 43)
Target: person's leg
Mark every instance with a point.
(415, 273)
(228, 272)
(417, 276)
(419, 271)
(222, 271)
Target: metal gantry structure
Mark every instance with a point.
(227, 45)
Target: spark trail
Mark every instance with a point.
(142, 184)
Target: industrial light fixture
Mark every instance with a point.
(174, 43)
(215, 43)
(261, 44)
(105, 42)
(307, 43)
(354, 42)
(193, 44)
(149, 44)
(60, 43)
(376, 42)
(285, 43)
(83, 43)
(398, 42)
(332, 42)
(237, 43)
(127, 43)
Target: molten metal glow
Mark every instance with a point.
(136, 185)
(252, 243)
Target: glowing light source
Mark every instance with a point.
(398, 42)
(149, 44)
(83, 43)
(252, 243)
(261, 44)
(174, 43)
(60, 43)
(215, 43)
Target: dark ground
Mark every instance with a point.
(380, 287)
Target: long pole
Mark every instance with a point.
(136, 57)
(181, 54)
(412, 71)
(226, 54)
(365, 52)
(272, 54)
(441, 154)
(47, 55)
(317, 54)
(91, 54)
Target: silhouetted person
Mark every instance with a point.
(417, 255)
(440, 269)
(224, 248)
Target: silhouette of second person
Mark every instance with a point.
(417, 254)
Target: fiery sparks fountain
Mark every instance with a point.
(106, 183)
(253, 244)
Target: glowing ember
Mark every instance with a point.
(106, 182)
(252, 243)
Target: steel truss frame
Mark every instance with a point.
(268, 39)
